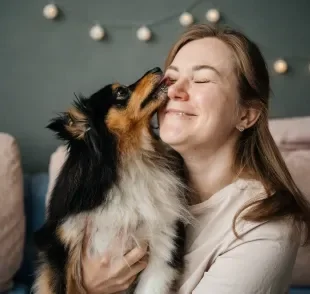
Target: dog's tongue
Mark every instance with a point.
(164, 83)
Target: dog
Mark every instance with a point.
(123, 180)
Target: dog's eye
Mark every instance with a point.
(122, 94)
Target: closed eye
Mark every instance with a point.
(170, 81)
(202, 81)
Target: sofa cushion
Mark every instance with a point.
(57, 159)
(19, 289)
(35, 187)
(291, 133)
(12, 217)
(298, 163)
(299, 291)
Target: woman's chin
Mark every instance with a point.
(173, 138)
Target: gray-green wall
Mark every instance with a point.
(42, 62)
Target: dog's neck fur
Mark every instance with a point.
(146, 197)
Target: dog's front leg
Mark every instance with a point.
(157, 278)
(68, 281)
(166, 263)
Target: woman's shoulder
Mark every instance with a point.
(281, 230)
(277, 229)
(218, 213)
(249, 191)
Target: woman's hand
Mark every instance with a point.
(99, 276)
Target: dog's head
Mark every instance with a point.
(123, 113)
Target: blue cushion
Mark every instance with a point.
(18, 289)
(294, 290)
(35, 187)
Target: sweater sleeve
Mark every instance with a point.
(260, 263)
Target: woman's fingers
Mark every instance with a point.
(131, 264)
(124, 282)
(102, 275)
(128, 283)
(135, 255)
(134, 270)
(120, 288)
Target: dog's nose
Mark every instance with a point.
(155, 70)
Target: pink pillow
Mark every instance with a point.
(292, 136)
(298, 163)
(291, 133)
(57, 159)
(12, 218)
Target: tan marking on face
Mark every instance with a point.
(115, 86)
(142, 90)
(129, 123)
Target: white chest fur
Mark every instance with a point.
(142, 206)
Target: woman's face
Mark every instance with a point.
(203, 97)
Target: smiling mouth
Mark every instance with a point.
(179, 113)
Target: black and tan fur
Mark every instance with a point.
(119, 177)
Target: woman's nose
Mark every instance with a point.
(178, 91)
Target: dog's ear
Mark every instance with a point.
(72, 124)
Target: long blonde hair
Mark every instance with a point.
(256, 150)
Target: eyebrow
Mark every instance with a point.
(197, 67)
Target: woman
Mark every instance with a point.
(250, 212)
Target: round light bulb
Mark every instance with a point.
(96, 32)
(213, 15)
(186, 19)
(50, 11)
(280, 66)
(144, 33)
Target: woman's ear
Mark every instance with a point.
(248, 116)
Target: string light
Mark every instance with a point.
(280, 66)
(213, 15)
(144, 33)
(96, 32)
(186, 19)
(50, 11)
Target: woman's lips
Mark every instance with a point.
(178, 112)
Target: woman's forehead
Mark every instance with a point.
(207, 51)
